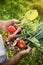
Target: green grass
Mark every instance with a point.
(10, 9)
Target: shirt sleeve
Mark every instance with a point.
(3, 55)
(3, 59)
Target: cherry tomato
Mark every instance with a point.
(11, 29)
(21, 44)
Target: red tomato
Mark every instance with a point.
(21, 44)
(11, 29)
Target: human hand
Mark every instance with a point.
(8, 23)
(25, 51)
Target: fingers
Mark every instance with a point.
(17, 39)
(26, 51)
(15, 21)
(17, 31)
(12, 22)
(29, 49)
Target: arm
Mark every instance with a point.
(13, 60)
(17, 57)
